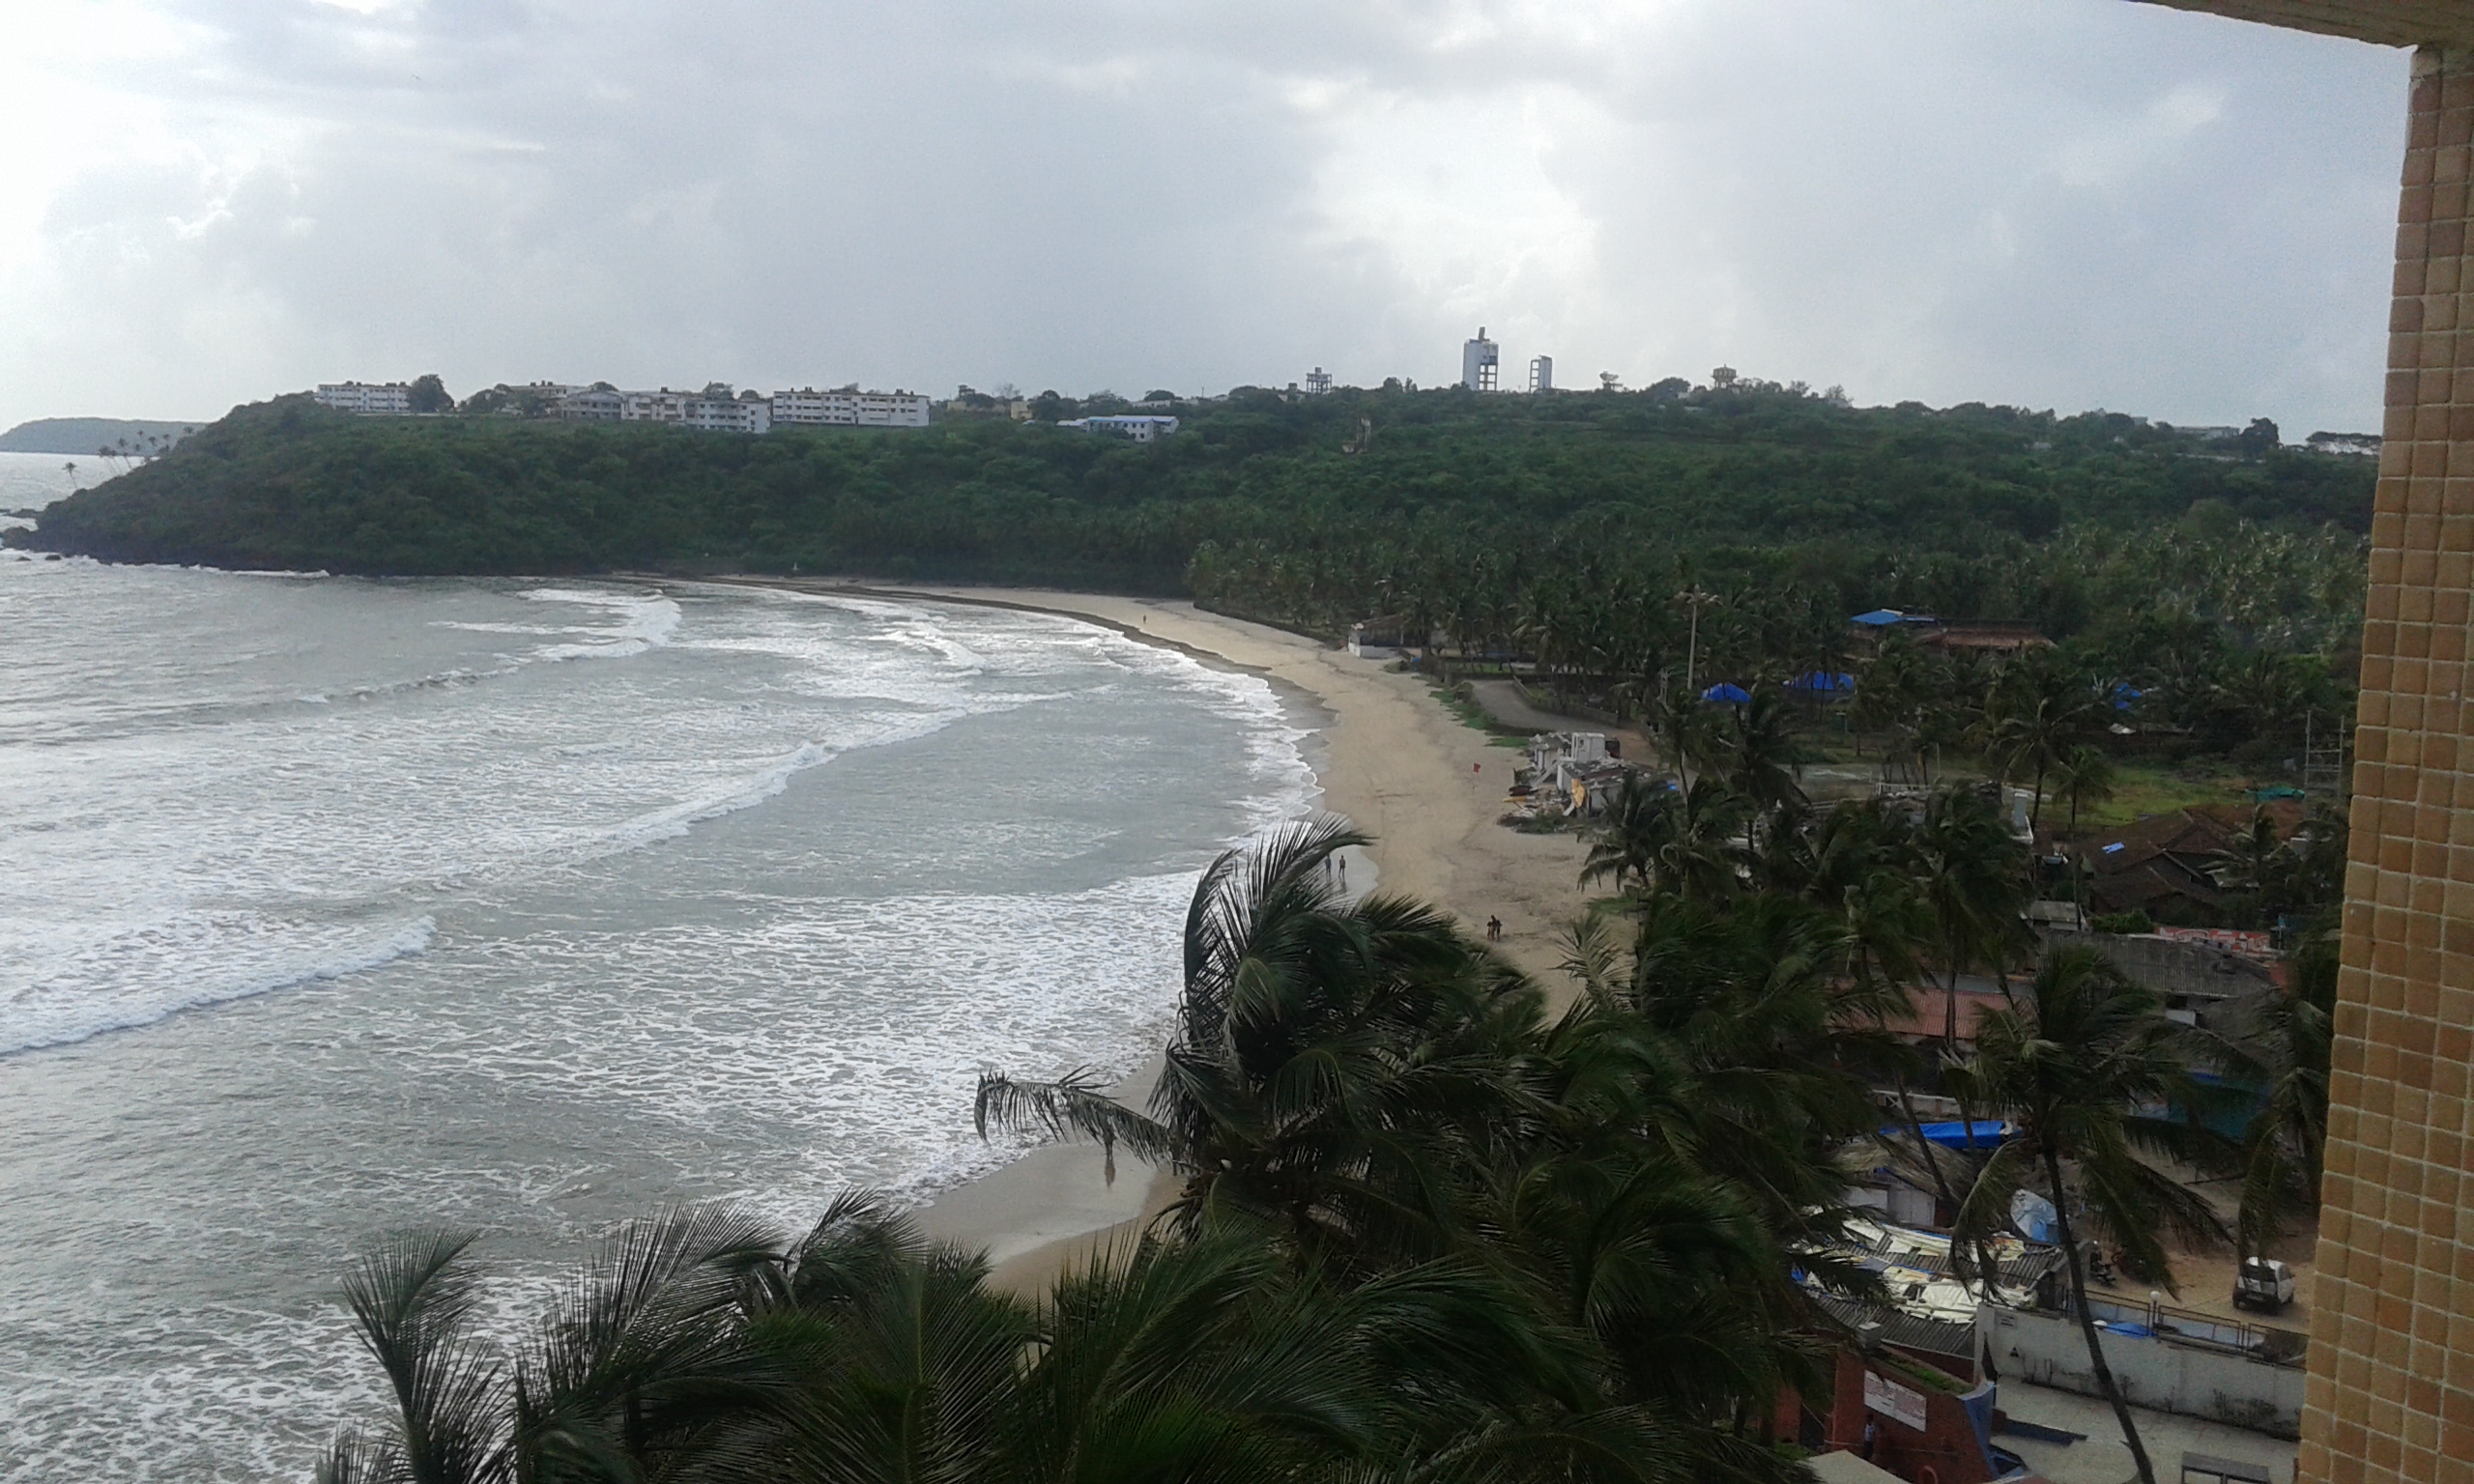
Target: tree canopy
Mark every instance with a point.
(1260, 506)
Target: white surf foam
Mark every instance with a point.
(645, 621)
(151, 968)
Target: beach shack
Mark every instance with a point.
(1383, 637)
(1581, 771)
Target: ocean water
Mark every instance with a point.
(329, 907)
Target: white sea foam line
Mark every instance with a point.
(865, 1025)
(182, 961)
(34, 1022)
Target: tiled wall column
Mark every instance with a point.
(2392, 1338)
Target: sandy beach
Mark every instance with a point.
(1426, 786)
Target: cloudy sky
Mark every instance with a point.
(2054, 203)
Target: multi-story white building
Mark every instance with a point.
(717, 413)
(593, 404)
(663, 405)
(387, 399)
(849, 407)
(746, 412)
(1139, 429)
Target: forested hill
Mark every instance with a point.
(1342, 483)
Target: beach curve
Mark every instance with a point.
(1427, 788)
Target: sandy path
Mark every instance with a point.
(1427, 788)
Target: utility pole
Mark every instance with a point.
(1694, 600)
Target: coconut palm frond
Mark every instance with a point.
(1592, 955)
(641, 1356)
(415, 1309)
(353, 1459)
(1072, 1106)
(2136, 1206)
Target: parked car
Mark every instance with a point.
(2262, 1283)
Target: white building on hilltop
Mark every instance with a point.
(1478, 360)
(714, 412)
(746, 412)
(386, 399)
(663, 405)
(848, 406)
(1139, 428)
(594, 404)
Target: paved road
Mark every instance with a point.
(1506, 704)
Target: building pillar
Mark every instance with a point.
(2391, 1391)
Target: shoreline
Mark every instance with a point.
(1426, 786)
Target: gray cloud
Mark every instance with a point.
(2071, 202)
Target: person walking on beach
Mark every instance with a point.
(1494, 930)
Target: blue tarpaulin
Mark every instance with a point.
(1821, 680)
(1881, 617)
(1730, 694)
(1983, 1133)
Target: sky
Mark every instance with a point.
(2064, 204)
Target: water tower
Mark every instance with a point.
(1317, 382)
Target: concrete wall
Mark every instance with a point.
(2164, 1375)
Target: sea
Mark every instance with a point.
(332, 906)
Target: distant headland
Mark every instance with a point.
(97, 437)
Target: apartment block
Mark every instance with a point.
(849, 407)
(1136, 428)
(381, 399)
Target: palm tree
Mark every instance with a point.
(2042, 708)
(1746, 1004)
(896, 1361)
(1972, 875)
(643, 1356)
(2086, 775)
(696, 1349)
(2070, 1065)
(415, 1309)
(1661, 837)
(2257, 866)
(1758, 755)
(1319, 1046)
(2275, 1045)
(1686, 729)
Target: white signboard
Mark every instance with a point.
(1894, 1400)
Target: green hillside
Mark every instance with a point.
(2220, 577)
(287, 484)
